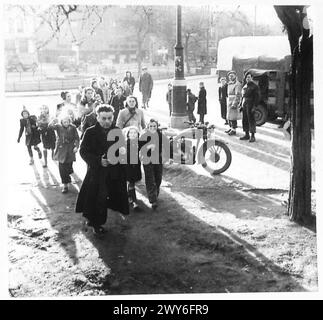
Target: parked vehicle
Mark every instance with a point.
(69, 63)
(22, 62)
(268, 59)
(199, 144)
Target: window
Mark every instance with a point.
(23, 46)
(20, 25)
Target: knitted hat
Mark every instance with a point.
(24, 109)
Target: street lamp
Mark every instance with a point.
(179, 114)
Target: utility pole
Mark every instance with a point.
(255, 22)
(179, 114)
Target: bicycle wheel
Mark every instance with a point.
(215, 156)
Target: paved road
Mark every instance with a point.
(264, 164)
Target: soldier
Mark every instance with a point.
(250, 97)
(234, 97)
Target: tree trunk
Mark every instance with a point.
(299, 204)
(139, 56)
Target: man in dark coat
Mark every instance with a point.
(250, 98)
(191, 99)
(201, 105)
(145, 87)
(104, 185)
(223, 94)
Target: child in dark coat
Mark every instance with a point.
(133, 166)
(28, 123)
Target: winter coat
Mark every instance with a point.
(103, 187)
(67, 140)
(48, 136)
(191, 102)
(88, 120)
(201, 105)
(223, 93)
(234, 97)
(250, 94)
(118, 104)
(29, 125)
(146, 84)
(169, 97)
(137, 120)
(131, 82)
(133, 170)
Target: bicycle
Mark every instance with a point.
(214, 155)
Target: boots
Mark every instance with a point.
(252, 138)
(245, 137)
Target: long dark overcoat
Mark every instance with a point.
(201, 105)
(103, 187)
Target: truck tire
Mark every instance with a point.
(261, 114)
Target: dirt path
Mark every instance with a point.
(208, 235)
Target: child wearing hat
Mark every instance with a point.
(28, 123)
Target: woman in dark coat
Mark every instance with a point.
(201, 105)
(130, 80)
(133, 166)
(28, 123)
(104, 185)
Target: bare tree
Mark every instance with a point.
(301, 44)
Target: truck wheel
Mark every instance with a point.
(261, 114)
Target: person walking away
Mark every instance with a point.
(169, 98)
(201, 105)
(117, 103)
(130, 80)
(133, 166)
(250, 99)
(67, 144)
(28, 123)
(223, 95)
(47, 134)
(145, 87)
(104, 185)
(131, 115)
(191, 99)
(95, 86)
(234, 97)
(157, 146)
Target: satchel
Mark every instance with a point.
(131, 116)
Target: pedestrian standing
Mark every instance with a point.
(146, 84)
(47, 134)
(104, 185)
(223, 95)
(67, 144)
(169, 98)
(154, 147)
(28, 123)
(250, 98)
(191, 99)
(131, 115)
(130, 80)
(133, 166)
(201, 105)
(79, 94)
(117, 103)
(234, 97)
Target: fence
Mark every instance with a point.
(68, 84)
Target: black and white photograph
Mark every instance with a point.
(157, 149)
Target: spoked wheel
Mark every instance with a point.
(215, 156)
